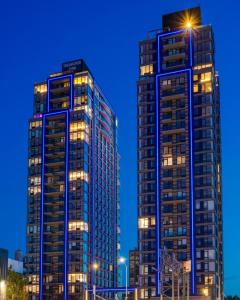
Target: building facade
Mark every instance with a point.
(133, 268)
(179, 156)
(3, 264)
(73, 186)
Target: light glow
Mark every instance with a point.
(189, 24)
(95, 266)
(122, 260)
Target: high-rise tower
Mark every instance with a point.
(73, 204)
(179, 156)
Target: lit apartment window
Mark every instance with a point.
(34, 161)
(33, 278)
(33, 288)
(147, 69)
(33, 190)
(35, 124)
(81, 100)
(79, 136)
(144, 223)
(195, 77)
(209, 280)
(79, 131)
(199, 67)
(77, 226)
(181, 160)
(35, 180)
(204, 292)
(195, 88)
(167, 160)
(78, 175)
(207, 87)
(79, 125)
(80, 80)
(205, 77)
(166, 82)
(77, 277)
(41, 88)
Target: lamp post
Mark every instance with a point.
(2, 289)
(122, 261)
(95, 267)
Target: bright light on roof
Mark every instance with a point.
(189, 24)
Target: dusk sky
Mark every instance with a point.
(37, 36)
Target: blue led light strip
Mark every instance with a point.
(191, 162)
(49, 114)
(50, 79)
(158, 212)
(159, 36)
(42, 209)
(93, 173)
(66, 209)
(120, 290)
(66, 112)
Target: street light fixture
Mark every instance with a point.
(95, 267)
(123, 261)
(2, 289)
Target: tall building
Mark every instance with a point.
(3, 264)
(73, 185)
(179, 156)
(133, 268)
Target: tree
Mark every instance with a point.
(231, 298)
(16, 286)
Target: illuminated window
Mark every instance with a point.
(205, 77)
(85, 108)
(40, 88)
(181, 160)
(195, 78)
(144, 223)
(81, 100)
(35, 124)
(80, 80)
(34, 161)
(66, 84)
(79, 131)
(147, 69)
(78, 125)
(195, 88)
(35, 180)
(78, 175)
(33, 288)
(209, 280)
(166, 82)
(199, 67)
(77, 226)
(204, 291)
(33, 278)
(207, 87)
(33, 190)
(167, 160)
(77, 277)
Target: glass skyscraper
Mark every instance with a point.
(73, 186)
(179, 156)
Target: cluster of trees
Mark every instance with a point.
(15, 289)
(232, 298)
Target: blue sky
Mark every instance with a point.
(37, 36)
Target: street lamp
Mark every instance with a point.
(95, 267)
(122, 261)
(2, 289)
